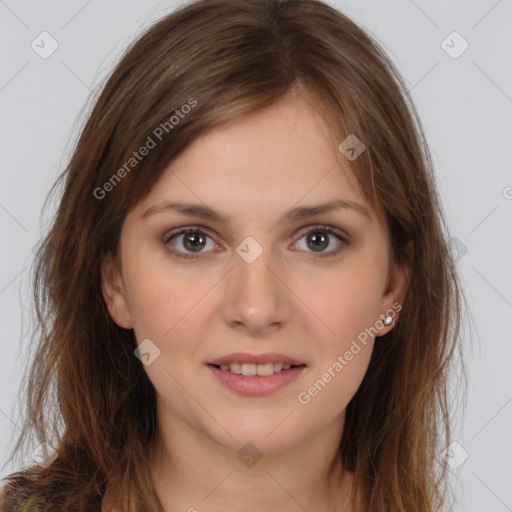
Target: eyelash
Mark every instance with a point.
(313, 229)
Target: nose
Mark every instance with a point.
(257, 299)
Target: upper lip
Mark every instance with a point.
(245, 357)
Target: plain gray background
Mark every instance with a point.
(465, 102)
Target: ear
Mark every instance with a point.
(396, 288)
(114, 293)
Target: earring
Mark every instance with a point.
(388, 320)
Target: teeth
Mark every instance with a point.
(250, 369)
(235, 368)
(265, 369)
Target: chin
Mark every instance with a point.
(267, 434)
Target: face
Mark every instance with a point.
(255, 278)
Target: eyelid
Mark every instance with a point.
(325, 227)
(184, 229)
(343, 237)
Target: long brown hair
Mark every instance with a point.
(86, 394)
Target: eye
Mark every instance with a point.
(320, 237)
(190, 242)
(191, 239)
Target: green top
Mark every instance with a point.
(11, 503)
(23, 505)
(14, 499)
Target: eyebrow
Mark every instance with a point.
(203, 211)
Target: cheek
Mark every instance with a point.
(344, 304)
(348, 304)
(327, 393)
(166, 308)
(161, 298)
(343, 351)
(154, 307)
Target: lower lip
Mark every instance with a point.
(256, 386)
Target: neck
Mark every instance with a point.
(192, 472)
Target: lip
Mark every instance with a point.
(245, 357)
(256, 385)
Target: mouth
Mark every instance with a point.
(256, 374)
(252, 370)
(257, 385)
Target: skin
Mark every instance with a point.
(289, 300)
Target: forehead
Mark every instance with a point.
(281, 155)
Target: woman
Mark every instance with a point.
(246, 298)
